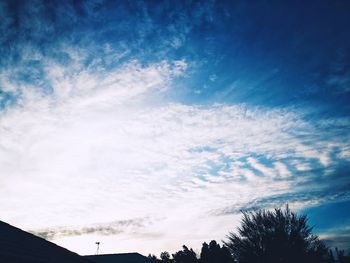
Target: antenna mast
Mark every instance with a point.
(98, 247)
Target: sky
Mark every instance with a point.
(146, 125)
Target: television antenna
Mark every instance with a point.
(98, 247)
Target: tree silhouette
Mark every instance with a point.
(213, 253)
(153, 259)
(342, 258)
(185, 256)
(331, 257)
(165, 257)
(276, 236)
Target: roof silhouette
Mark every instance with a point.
(118, 258)
(18, 246)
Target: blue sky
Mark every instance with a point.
(149, 124)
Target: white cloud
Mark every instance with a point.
(282, 169)
(95, 150)
(260, 167)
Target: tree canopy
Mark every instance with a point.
(279, 236)
(264, 236)
(214, 253)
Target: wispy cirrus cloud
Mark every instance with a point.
(139, 111)
(337, 240)
(297, 200)
(105, 229)
(95, 148)
(101, 143)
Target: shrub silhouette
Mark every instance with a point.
(342, 258)
(278, 236)
(185, 256)
(165, 257)
(213, 253)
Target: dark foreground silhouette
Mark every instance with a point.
(17, 246)
(278, 236)
(118, 258)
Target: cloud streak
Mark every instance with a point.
(112, 228)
